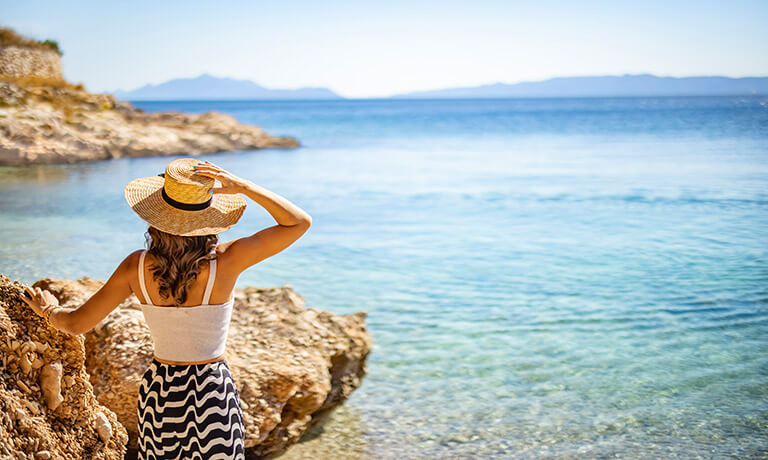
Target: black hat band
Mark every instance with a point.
(184, 206)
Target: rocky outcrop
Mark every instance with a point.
(123, 337)
(20, 61)
(292, 365)
(48, 409)
(44, 119)
(48, 122)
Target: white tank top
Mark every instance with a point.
(195, 333)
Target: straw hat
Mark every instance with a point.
(178, 201)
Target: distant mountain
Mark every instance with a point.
(208, 87)
(607, 86)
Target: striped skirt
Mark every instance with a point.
(189, 411)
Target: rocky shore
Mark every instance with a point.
(45, 119)
(77, 395)
(48, 121)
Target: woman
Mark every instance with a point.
(188, 406)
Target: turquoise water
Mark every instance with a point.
(543, 278)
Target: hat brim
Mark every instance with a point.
(144, 196)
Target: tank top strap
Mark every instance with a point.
(211, 279)
(147, 300)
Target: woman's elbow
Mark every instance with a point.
(77, 331)
(62, 321)
(305, 221)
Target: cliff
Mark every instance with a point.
(292, 365)
(45, 119)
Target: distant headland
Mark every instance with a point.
(605, 86)
(207, 87)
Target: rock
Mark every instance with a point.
(50, 384)
(103, 427)
(11, 94)
(26, 364)
(28, 424)
(291, 364)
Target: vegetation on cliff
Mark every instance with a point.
(10, 38)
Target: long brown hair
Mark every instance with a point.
(178, 260)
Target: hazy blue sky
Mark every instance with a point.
(370, 49)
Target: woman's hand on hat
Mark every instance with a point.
(38, 298)
(230, 183)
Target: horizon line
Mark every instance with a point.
(394, 95)
(392, 98)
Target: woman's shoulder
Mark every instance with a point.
(127, 268)
(221, 248)
(222, 252)
(134, 256)
(131, 261)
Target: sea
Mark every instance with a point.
(543, 278)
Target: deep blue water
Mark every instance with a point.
(543, 278)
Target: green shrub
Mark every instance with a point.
(54, 45)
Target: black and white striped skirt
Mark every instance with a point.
(189, 411)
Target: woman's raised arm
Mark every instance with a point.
(292, 221)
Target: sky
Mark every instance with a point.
(367, 49)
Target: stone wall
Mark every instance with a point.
(16, 61)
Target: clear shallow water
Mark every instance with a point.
(543, 278)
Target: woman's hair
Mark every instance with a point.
(178, 260)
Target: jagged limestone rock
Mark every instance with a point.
(46, 406)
